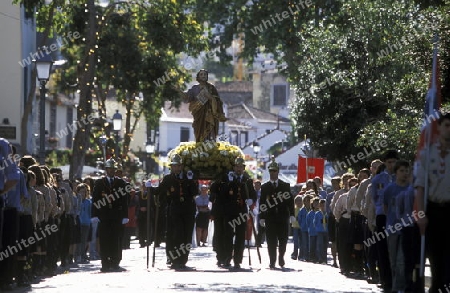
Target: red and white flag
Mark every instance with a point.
(428, 136)
(308, 168)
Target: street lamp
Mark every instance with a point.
(149, 149)
(256, 150)
(103, 143)
(157, 140)
(117, 126)
(43, 70)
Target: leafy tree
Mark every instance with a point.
(357, 66)
(128, 45)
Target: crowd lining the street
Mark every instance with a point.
(357, 218)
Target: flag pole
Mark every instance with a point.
(306, 164)
(428, 129)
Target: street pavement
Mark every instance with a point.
(204, 277)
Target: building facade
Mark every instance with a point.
(19, 34)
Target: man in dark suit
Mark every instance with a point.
(179, 190)
(276, 208)
(235, 194)
(110, 209)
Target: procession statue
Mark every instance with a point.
(206, 107)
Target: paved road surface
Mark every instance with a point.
(297, 277)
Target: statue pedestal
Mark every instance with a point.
(208, 160)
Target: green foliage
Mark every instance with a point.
(359, 72)
(137, 45)
(223, 72)
(57, 158)
(360, 68)
(398, 132)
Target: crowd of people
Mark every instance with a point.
(44, 219)
(372, 220)
(375, 220)
(47, 221)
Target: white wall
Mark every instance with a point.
(169, 133)
(266, 142)
(12, 92)
(139, 139)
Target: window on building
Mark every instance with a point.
(184, 134)
(234, 137)
(244, 138)
(280, 94)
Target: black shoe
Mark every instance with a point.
(175, 266)
(105, 270)
(281, 262)
(7, 287)
(226, 266)
(183, 267)
(272, 267)
(118, 269)
(237, 266)
(23, 284)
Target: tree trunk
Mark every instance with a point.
(127, 135)
(86, 72)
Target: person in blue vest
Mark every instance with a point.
(301, 218)
(379, 184)
(10, 176)
(321, 224)
(312, 232)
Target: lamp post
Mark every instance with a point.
(43, 69)
(157, 150)
(149, 149)
(256, 150)
(103, 143)
(157, 140)
(117, 126)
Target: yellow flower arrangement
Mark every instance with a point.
(207, 159)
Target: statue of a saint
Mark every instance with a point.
(206, 108)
